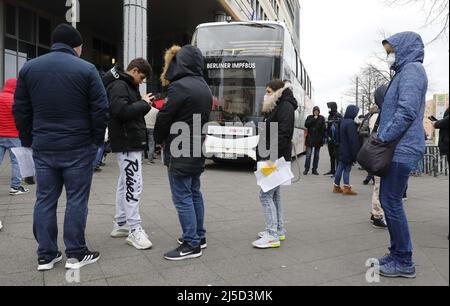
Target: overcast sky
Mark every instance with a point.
(339, 37)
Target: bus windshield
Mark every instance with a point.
(240, 60)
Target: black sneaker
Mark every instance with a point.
(30, 180)
(48, 264)
(331, 173)
(183, 252)
(18, 191)
(380, 223)
(203, 243)
(77, 262)
(315, 173)
(305, 173)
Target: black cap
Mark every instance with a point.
(66, 34)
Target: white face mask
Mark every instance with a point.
(266, 97)
(391, 59)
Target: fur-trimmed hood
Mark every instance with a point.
(180, 62)
(283, 94)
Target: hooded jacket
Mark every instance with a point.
(316, 130)
(280, 108)
(188, 96)
(60, 103)
(127, 128)
(7, 122)
(404, 103)
(350, 143)
(334, 116)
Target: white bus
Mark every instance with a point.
(241, 58)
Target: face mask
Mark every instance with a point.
(266, 97)
(391, 59)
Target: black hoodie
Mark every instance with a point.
(334, 116)
(127, 128)
(188, 95)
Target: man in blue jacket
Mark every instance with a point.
(402, 120)
(61, 110)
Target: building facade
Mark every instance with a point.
(115, 31)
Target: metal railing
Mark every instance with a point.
(433, 163)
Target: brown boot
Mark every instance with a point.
(348, 191)
(337, 189)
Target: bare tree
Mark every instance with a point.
(437, 13)
(369, 79)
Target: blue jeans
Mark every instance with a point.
(273, 211)
(6, 144)
(343, 169)
(188, 200)
(309, 153)
(392, 189)
(151, 144)
(72, 169)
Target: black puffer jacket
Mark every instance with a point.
(127, 128)
(316, 130)
(280, 108)
(188, 96)
(334, 117)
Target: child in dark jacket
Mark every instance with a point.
(348, 151)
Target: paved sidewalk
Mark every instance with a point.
(329, 236)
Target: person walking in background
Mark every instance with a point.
(61, 111)
(402, 121)
(150, 121)
(128, 137)
(348, 151)
(9, 136)
(189, 103)
(316, 126)
(333, 126)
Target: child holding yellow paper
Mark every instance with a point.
(279, 108)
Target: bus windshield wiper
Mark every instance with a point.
(258, 25)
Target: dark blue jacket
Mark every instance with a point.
(60, 103)
(350, 144)
(404, 103)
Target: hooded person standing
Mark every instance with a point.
(402, 121)
(9, 136)
(188, 107)
(316, 126)
(128, 137)
(333, 126)
(61, 111)
(348, 151)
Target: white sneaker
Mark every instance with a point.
(1, 225)
(139, 239)
(267, 242)
(120, 231)
(281, 236)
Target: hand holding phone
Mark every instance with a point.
(149, 98)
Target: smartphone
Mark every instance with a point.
(433, 119)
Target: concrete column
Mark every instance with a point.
(135, 32)
(2, 47)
